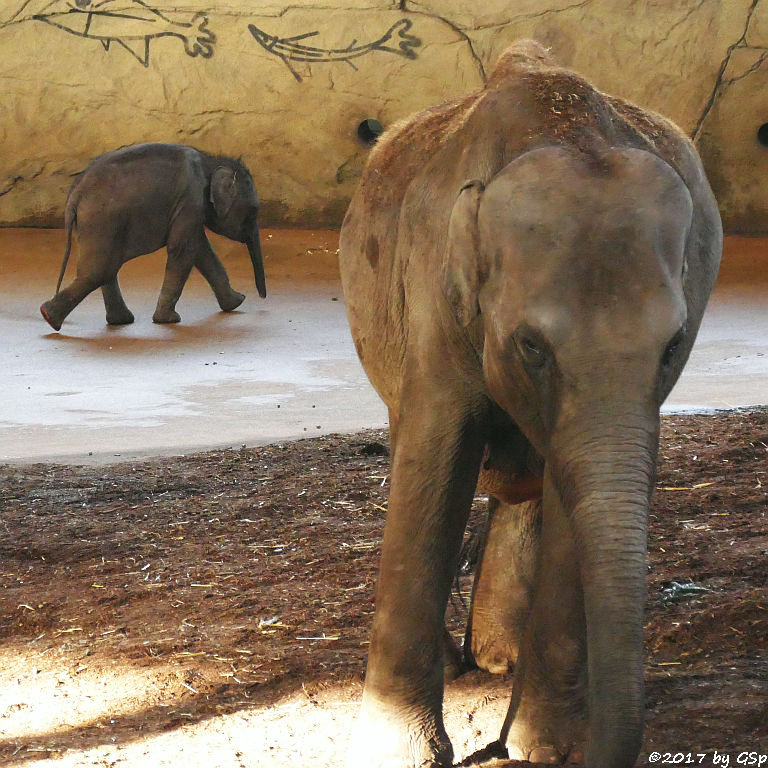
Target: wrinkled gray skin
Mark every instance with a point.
(525, 272)
(140, 198)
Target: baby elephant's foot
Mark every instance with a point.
(50, 317)
(232, 301)
(166, 316)
(122, 317)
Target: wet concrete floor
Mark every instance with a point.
(275, 369)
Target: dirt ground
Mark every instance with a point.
(213, 609)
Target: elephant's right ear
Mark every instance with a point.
(462, 269)
(223, 190)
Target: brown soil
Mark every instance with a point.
(214, 609)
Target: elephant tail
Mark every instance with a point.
(70, 219)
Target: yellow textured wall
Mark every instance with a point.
(286, 85)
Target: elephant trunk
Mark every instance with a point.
(607, 480)
(257, 259)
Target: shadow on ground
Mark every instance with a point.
(219, 603)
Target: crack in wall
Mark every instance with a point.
(720, 84)
(460, 32)
(763, 56)
(514, 19)
(531, 16)
(685, 18)
(16, 180)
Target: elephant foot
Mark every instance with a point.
(51, 319)
(546, 734)
(120, 318)
(545, 752)
(497, 655)
(232, 301)
(166, 316)
(381, 741)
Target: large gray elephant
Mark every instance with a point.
(525, 271)
(137, 199)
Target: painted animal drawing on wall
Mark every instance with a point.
(131, 24)
(290, 49)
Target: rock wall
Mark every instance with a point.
(286, 86)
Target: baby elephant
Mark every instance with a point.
(139, 198)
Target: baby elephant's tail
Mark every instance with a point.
(70, 219)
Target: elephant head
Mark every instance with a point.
(570, 271)
(233, 208)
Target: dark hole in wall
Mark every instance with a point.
(762, 134)
(369, 130)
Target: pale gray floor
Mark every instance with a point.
(278, 369)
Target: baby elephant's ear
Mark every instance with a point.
(223, 190)
(461, 271)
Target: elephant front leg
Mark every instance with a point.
(117, 311)
(213, 271)
(546, 722)
(181, 258)
(433, 480)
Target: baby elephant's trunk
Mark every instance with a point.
(257, 259)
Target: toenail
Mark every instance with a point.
(546, 755)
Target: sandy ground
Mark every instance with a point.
(278, 369)
(213, 610)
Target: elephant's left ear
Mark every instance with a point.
(461, 270)
(223, 190)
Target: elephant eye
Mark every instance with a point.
(532, 349)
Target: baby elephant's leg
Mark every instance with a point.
(213, 271)
(180, 262)
(117, 311)
(55, 310)
(100, 258)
